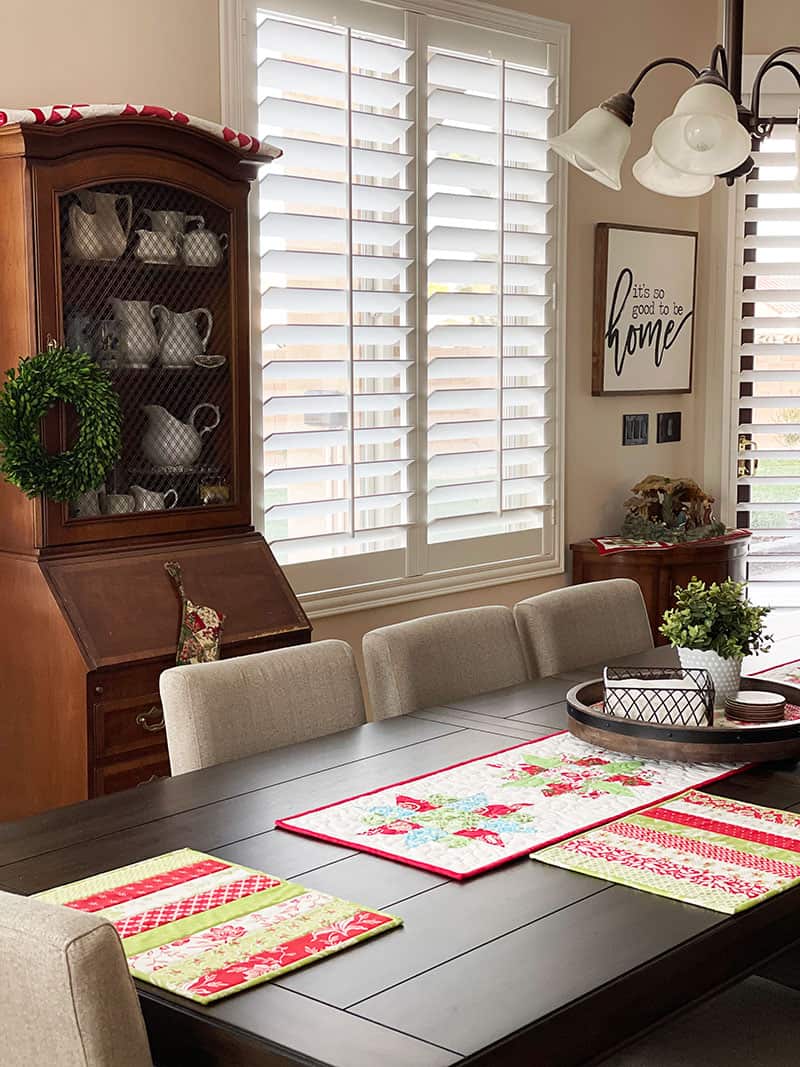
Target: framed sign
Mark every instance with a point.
(644, 293)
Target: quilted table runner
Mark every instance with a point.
(476, 815)
(204, 928)
(716, 853)
(788, 673)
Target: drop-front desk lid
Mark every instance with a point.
(122, 606)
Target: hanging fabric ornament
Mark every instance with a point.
(200, 635)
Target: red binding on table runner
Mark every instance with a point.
(480, 813)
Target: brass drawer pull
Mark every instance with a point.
(146, 719)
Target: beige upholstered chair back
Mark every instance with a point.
(582, 624)
(441, 658)
(221, 711)
(66, 997)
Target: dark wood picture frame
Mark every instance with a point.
(601, 248)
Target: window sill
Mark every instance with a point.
(402, 590)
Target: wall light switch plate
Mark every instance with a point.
(668, 426)
(635, 429)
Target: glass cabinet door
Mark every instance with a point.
(145, 291)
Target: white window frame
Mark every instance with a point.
(240, 110)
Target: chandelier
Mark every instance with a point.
(709, 135)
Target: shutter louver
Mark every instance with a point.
(768, 358)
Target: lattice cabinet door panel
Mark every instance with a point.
(143, 266)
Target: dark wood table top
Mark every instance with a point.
(526, 964)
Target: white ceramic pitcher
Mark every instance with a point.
(95, 228)
(168, 442)
(178, 335)
(139, 344)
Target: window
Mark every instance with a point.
(767, 363)
(410, 318)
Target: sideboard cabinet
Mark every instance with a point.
(126, 238)
(659, 571)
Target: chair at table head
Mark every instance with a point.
(66, 996)
(237, 707)
(441, 658)
(591, 623)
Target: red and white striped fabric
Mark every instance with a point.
(62, 114)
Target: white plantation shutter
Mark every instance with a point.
(768, 351)
(489, 484)
(408, 248)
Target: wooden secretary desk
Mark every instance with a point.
(88, 617)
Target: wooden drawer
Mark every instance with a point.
(123, 774)
(128, 725)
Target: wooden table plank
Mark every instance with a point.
(276, 1029)
(158, 800)
(213, 825)
(443, 923)
(553, 716)
(506, 728)
(503, 703)
(351, 875)
(523, 977)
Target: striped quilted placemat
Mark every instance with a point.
(205, 928)
(717, 853)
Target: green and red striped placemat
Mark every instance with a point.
(717, 853)
(204, 928)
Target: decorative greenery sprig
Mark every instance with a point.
(717, 618)
(30, 390)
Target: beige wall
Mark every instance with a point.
(108, 51)
(165, 51)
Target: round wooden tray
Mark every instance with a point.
(691, 744)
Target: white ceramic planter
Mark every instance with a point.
(725, 673)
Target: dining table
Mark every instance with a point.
(525, 964)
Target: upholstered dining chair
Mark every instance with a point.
(67, 996)
(441, 658)
(221, 711)
(582, 624)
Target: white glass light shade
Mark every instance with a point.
(596, 144)
(703, 135)
(653, 173)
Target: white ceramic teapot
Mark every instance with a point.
(95, 228)
(179, 337)
(202, 248)
(168, 442)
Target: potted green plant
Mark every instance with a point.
(714, 627)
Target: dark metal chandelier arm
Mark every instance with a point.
(674, 60)
(772, 61)
(720, 54)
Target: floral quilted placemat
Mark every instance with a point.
(205, 928)
(476, 815)
(717, 853)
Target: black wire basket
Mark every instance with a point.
(634, 693)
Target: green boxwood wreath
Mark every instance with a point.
(30, 390)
